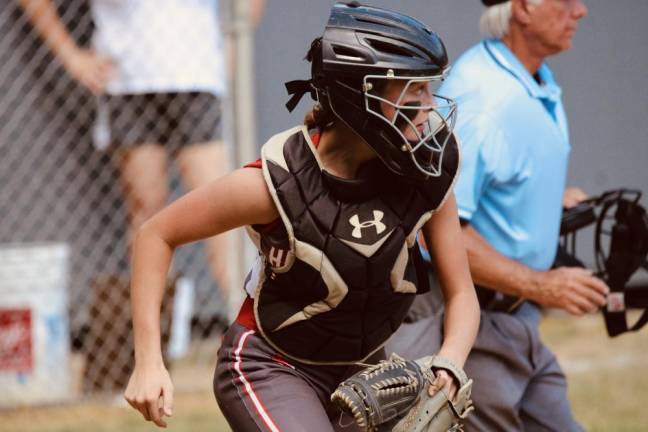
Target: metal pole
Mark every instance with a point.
(244, 90)
(244, 120)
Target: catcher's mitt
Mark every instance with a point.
(393, 396)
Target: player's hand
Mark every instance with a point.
(573, 196)
(150, 391)
(90, 69)
(444, 382)
(573, 289)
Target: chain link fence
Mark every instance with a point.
(65, 336)
(66, 212)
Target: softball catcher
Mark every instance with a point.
(334, 208)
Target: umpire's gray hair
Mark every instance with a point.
(495, 20)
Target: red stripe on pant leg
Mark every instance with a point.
(248, 386)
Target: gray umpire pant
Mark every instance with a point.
(257, 389)
(518, 384)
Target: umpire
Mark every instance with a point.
(515, 146)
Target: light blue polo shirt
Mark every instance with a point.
(514, 143)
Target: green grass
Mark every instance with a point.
(608, 387)
(607, 378)
(196, 411)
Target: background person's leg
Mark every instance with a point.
(201, 164)
(143, 177)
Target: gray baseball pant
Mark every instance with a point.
(257, 389)
(518, 384)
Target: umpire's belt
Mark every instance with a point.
(495, 301)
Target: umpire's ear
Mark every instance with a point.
(521, 11)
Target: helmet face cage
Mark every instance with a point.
(431, 136)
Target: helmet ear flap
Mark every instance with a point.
(315, 57)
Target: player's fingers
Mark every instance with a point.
(154, 411)
(167, 395)
(435, 385)
(452, 391)
(442, 382)
(448, 388)
(446, 385)
(161, 415)
(142, 407)
(432, 389)
(131, 403)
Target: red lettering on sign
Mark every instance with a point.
(16, 347)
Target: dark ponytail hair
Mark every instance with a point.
(318, 117)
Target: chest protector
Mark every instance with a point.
(338, 275)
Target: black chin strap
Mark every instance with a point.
(619, 302)
(297, 89)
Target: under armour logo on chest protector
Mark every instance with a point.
(359, 226)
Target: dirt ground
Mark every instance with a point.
(608, 382)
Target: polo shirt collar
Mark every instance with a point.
(502, 55)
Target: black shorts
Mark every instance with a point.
(170, 119)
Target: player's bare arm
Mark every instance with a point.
(240, 198)
(443, 233)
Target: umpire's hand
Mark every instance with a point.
(573, 289)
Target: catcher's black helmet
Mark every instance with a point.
(361, 49)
